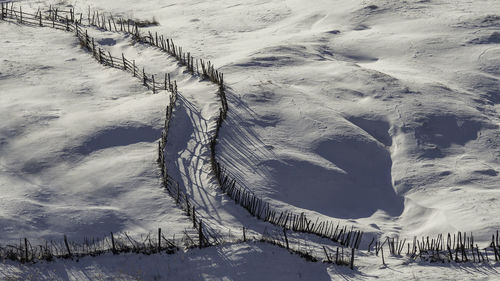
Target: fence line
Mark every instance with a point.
(457, 250)
(255, 205)
(207, 236)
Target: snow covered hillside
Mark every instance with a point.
(381, 115)
(76, 144)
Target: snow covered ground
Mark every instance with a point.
(249, 261)
(380, 114)
(77, 144)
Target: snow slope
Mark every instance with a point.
(381, 113)
(77, 144)
(249, 261)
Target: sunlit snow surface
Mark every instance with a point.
(380, 114)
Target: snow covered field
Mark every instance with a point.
(76, 144)
(379, 114)
(252, 261)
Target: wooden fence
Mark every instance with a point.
(460, 249)
(255, 205)
(206, 235)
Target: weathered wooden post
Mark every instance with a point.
(26, 249)
(326, 254)
(113, 244)
(67, 245)
(159, 240)
(179, 195)
(144, 77)
(87, 43)
(111, 58)
(194, 217)
(352, 258)
(286, 238)
(382, 253)
(124, 64)
(114, 24)
(200, 235)
(21, 14)
(153, 78)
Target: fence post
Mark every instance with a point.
(67, 23)
(179, 194)
(114, 24)
(1, 15)
(124, 64)
(153, 78)
(352, 258)
(87, 43)
(100, 55)
(21, 14)
(67, 245)
(194, 217)
(286, 238)
(113, 243)
(159, 239)
(143, 77)
(200, 235)
(26, 250)
(133, 62)
(111, 58)
(382, 251)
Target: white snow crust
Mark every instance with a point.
(379, 114)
